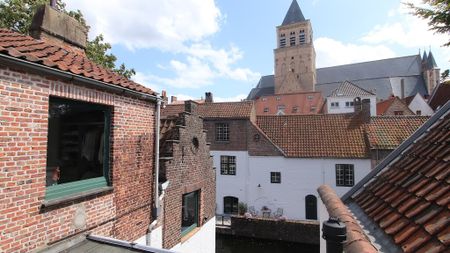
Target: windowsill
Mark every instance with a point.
(228, 174)
(76, 196)
(190, 234)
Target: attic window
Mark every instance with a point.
(349, 104)
(295, 109)
(266, 109)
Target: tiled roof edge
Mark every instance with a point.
(268, 138)
(357, 240)
(75, 77)
(394, 154)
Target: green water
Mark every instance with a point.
(233, 244)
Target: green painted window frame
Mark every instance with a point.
(197, 209)
(72, 188)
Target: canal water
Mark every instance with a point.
(234, 244)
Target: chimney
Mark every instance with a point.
(59, 28)
(190, 106)
(402, 88)
(173, 99)
(362, 109)
(164, 97)
(208, 97)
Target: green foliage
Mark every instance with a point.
(17, 15)
(242, 208)
(437, 13)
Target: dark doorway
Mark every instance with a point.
(230, 205)
(311, 207)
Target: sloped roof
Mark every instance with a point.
(26, 48)
(431, 62)
(383, 77)
(388, 132)
(349, 89)
(408, 100)
(234, 110)
(409, 199)
(331, 135)
(440, 96)
(404, 202)
(383, 106)
(294, 14)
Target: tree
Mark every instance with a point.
(437, 13)
(17, 15)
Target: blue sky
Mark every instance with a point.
(188, 47)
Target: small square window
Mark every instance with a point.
(295, 109)
(313, 108)
(334, 104)
(266, 109)
(227, 165)
(398, 112)
(310, 97)
(222, 132)
(275, 177)
(349, 104)
(418, 112)
(345, 175)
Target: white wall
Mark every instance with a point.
(418, 103)
(228, 185)
(343, 109)
(299, 177)
(155, 241)
(203, 241)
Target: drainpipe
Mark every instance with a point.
(335, 233)
(155, 210)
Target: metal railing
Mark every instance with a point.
(223, 220)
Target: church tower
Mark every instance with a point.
(295, 57)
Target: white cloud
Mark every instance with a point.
(165, 25)
(331, 52)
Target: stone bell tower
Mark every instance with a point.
(295, 57)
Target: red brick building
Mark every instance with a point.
(302, 103)
(76, 143)
(187, 167)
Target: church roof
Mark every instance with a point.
(294, 14)
(431, 62)
(382, 76)
(349, 89)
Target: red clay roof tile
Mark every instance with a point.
(331, 135)
(412, 195)
(46, 54)
(232, 110)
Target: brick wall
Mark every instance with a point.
(237, 130)
(123, 213)
(258, 144)
(189, 170)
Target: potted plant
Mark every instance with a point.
(242, 208)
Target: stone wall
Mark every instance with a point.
(291, 231)
(123, 212)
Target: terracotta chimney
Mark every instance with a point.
(59, 28)
(164, 97)
(208, 97)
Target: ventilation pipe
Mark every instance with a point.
(335, 233)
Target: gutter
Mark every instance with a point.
(126, 245)
(155, 210)
(392, 157)
(74, 78)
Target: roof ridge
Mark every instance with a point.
(355, 63)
